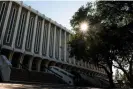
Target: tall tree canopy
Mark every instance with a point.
(109, 39)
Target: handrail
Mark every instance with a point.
(25, 67)
(54, 72)
(45, 67)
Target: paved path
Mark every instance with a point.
(31, 86)
(45, 86)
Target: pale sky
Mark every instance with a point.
(59, 11)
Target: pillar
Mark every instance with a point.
(48, 39)
(25, 32)
(69, 59)
(46, 63)
(16, 27)
(60, 46)
(41, 38)
(87, 64)
(30, 63)
(54, 42)
(74, 61)
(78, 63)
(10, 56)
(34, 34)
(38, 65)
(21, 58)
(6, 21)
(65, 48)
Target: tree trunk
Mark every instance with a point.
(131, 81)
(110, 75)
(112, 85)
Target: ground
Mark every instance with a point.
(45, 86)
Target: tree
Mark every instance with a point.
(109, 39)
(120, 79)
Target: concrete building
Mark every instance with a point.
(36, 41)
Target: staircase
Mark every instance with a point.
(23, 79)
(22, 75)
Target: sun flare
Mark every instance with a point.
(84, 27)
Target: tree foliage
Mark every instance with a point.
(109, 40)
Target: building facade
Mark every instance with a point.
(30, 38)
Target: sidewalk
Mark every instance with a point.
(33, 86)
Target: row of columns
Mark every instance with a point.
(21, 58)
(39, 62)
(31, 59)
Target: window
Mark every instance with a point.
(13, 14)
(2, 12)
(51, 41)
(45, 37)
(21, 29)
(57, 43)
(67, 47)
(31, 26)
(37, 36)
(62, 44)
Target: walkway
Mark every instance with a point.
(44, 86)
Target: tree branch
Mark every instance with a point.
(116, 67)
(105, 68)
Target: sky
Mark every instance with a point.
(59, 11)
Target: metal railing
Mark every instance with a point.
(54, 73)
